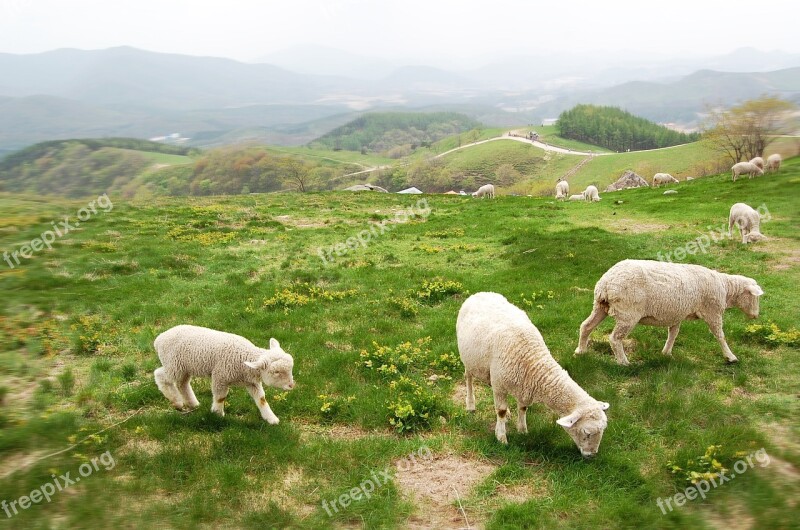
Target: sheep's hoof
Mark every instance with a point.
(273, 421)
(731, 361)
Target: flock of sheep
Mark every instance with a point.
(497, 342)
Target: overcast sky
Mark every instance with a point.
(422, 31)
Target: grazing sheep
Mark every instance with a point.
(663, 178)
(746, 168)
(774, 162)
(590, 194)
(562, 189)
(656, 293)
(758, 161)
(578, 197)
(189, 351)
(487, 190)
(499, 345)
(748, 220)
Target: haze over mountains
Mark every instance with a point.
(304, 92)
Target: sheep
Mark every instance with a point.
(774, 162)
(578, 197)
(499, 345)
(758, 161)
(745, 168)
(189, 351)
(487, 190)
(748, 220)
(657, 293)
(562, 189)
(590, 194)
(663, 178)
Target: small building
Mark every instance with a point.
(549, 121)
(412, 190)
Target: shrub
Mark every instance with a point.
(771, 335)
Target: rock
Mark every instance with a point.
(629, 179)
(670, 192)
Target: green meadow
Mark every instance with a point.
(363, 290)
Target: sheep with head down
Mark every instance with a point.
(749, 222)
(663, 178)
(499, 345)
(774, 162)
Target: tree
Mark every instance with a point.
(744, 132)
(296, 174)
(506, 175)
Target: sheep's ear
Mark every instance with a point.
(569, 421)
(259, 365)
(274, 344)
(755, 290)
(604, 405)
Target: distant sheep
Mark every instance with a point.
(749, 222)
(562, 189)
(499, 345)
(590, 194)
(745, 168)
(190, 351)
(774, 162)
(663, 178)
(758, 161)
(657, 293)
(487, 190)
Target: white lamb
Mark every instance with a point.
(578, 197)
(663, 178)
(749, 222)
(499, 345)
(487, 190)
(562, 189)
(758, 161)
(656, 293)
(590, 194)
(774, 162)
(745, 168)
(189, 351)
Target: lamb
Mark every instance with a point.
(774, 162)
(758, 161)
(590, 194)
(578, 197)
(487, 190)
(499, 345)
(747, 168)
(663, 178)
(662, 294)
(748, 220)
(562, 189)
(188, 351)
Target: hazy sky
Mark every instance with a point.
(425, 31)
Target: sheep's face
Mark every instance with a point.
(586, 428)
(747, 300)
(279, 373)
(754, 237)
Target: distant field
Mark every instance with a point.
(341, 156)
(163, 158)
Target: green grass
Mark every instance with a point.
(164, 158)
(91, 307)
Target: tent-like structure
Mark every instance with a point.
(366, 187)
(412, 190)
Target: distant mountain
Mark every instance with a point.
(314, 59)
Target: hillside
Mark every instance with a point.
(371, 327)
(395, 134)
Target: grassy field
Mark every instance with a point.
(376, 423)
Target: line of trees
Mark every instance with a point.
(618, 130)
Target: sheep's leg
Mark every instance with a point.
(744, 232)
(599, 313)
(470, 392)
(715, 325)
(673, 333)
(219, 391)
(168, 388)
(187, 393)
(257, 393)
(731, 222)
(522, 419)
(501, 407)
(621, 330)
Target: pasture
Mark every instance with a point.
(363, 290)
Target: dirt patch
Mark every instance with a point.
(288, 220)
(627, 225)
(337, 431)
(288, 493)
(735, 518)
(146, 446)
(783, 258)
(438, 486)
(18, 462)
